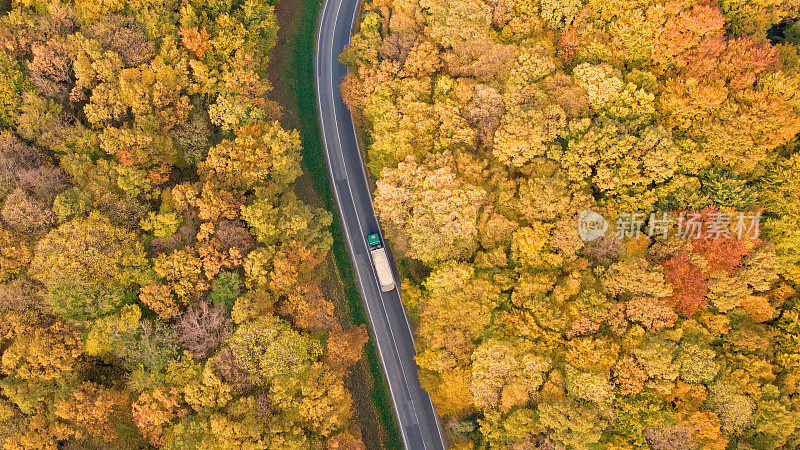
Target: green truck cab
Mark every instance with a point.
(374, 240)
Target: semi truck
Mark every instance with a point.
(381, 262)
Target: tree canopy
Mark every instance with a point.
(493, 126)
(158, 282)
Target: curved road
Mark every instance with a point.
(391, 331)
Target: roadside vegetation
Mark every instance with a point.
(159, 274)
(492, 126)
(294, 90)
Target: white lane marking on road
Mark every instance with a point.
(322, 126)
(371, 210)
(355, 208)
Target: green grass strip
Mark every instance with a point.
(314, 160)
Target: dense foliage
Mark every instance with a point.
(490, 125)
(158, 275)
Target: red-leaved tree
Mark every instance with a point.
(689, 284)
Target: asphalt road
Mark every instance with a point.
(391, 330)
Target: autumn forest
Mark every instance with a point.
(594, 207)
(159, 283)
(492, 126)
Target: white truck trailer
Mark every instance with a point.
(381, 262)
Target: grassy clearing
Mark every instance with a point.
(292, 77)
